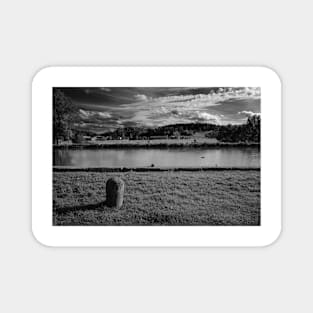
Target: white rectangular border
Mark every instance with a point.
(163, 236)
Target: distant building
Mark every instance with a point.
(59, 140)
(158, 137)
(99, 138)
(87, 138)
(211, 134)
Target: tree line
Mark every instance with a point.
(248, 132)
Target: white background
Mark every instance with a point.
(270, 228)
(35, 34)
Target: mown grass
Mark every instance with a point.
(159, 198)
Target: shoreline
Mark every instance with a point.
(130, 144)
(149, 169)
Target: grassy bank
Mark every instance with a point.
(150, 169)
(159, 198)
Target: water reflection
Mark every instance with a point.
(221, 157)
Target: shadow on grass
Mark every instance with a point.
(100, 206)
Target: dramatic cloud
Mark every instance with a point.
(90, 114)
(248, 113)
(176, 114)
(207, 117)
(103, 108)
(141, 97)
(214, 97)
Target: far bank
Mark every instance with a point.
(156, 143)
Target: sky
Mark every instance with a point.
(102, 109)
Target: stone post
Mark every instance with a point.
(115, 192)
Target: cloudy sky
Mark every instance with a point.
(102, 109)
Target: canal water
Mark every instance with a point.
(172, 157)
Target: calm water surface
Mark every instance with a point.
(187, 157)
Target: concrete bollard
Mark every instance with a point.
(115, 192)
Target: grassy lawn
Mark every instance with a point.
(159, 198)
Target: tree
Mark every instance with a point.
(249, 132)
(63, 113)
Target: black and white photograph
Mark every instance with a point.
(157, 156)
